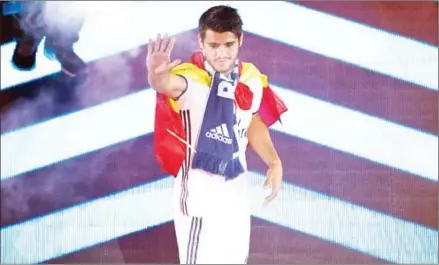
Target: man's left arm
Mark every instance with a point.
(259, 136)
(259, 139)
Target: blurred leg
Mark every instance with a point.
(64, 22)
(29, 31)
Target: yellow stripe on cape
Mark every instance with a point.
(190, 71)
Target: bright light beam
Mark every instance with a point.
(341, 39)
(338, 38)
(358, 134)
(347, 224)
(110, 28)
(130, 211)
(346, 130)
(78, 133)
(88, 224)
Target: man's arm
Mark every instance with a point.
(258, 134)
(260, 140)
(168, 84)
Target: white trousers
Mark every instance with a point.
(213, 239)
(212, 219)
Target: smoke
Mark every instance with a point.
(32, 19)
(63, 185)
(72, 181)
(78, 179)
(75, 180)
(63, 14)
(69, 182)
(39, 17)
(107, 79)
(25, 111)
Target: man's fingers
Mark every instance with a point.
(164, 43)
(174, 64)
(271, 197)
(267, 183)
(274, 192)
(150, 47)
(268, 180)
(157, 43)
(170, 45)
(163, 68)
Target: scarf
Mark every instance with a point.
(217, 143)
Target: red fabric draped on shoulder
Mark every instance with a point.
(272, 107)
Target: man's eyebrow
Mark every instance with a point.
(214, 43)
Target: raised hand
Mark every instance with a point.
(158, 59)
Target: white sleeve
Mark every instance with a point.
(184, 100)
(255, 85)
(194, 94)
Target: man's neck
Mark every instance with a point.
(228, 73)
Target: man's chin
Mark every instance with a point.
(223, 69)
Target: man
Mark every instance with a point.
(218, 99)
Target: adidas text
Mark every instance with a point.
(218, 137)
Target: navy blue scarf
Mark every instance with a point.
(217, 143)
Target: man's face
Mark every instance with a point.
(220, 49)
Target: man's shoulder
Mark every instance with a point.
(192, 73)
(248, 66)
(249, 72)
(252, 77)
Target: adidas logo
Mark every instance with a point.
(220, 133)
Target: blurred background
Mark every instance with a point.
(80, 184)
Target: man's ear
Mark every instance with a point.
(241, 39)
(200, 42)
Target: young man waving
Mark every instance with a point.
(208, 110)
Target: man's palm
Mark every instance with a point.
(158, 60)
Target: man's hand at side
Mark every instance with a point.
(260, 140)
(274, 179)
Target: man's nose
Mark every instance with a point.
(222, 52)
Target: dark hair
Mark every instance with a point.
(220, 19)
